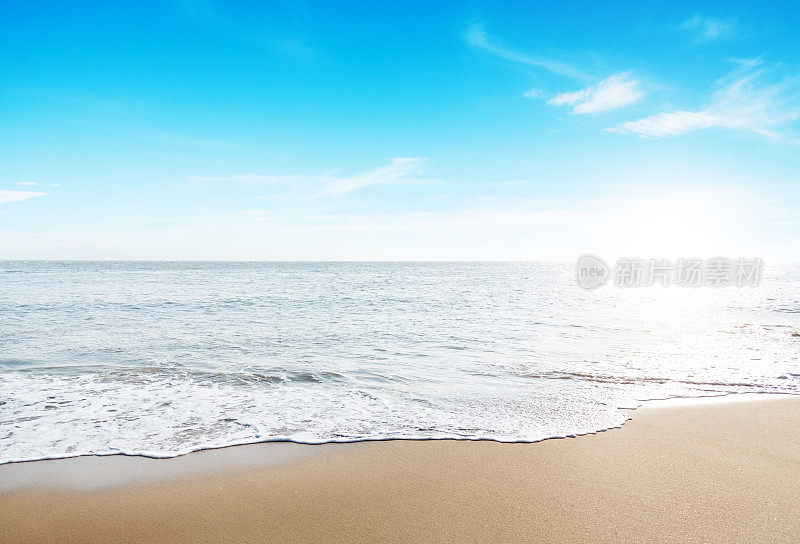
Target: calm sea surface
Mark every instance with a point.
(160, 359)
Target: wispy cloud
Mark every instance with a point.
(28, 183)
(17, 196)
(745, 103)
(708, 29)
(476, 36)
(613, 92)
(399, 171)
(533, 93)
(669, 124)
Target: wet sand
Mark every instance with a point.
(711, 472)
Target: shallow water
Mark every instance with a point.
(160, 359)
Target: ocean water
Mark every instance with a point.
(160, 359)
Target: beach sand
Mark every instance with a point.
(715, 472)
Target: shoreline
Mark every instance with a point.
(107, 470)
(710, 471)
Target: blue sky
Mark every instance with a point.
(207, 130)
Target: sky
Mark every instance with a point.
(206, 130)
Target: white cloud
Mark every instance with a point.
(613, 92)
(668, 124)
(476, 37)
(746, 62)
(609, 94)
(28, 183)
(707, 29)
(399, 171)
(744, 104)
(533, 93)
(17, 196)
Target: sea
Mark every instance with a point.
(163, 358)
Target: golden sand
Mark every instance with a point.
(727, 472)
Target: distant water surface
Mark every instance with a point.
(160, 359)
